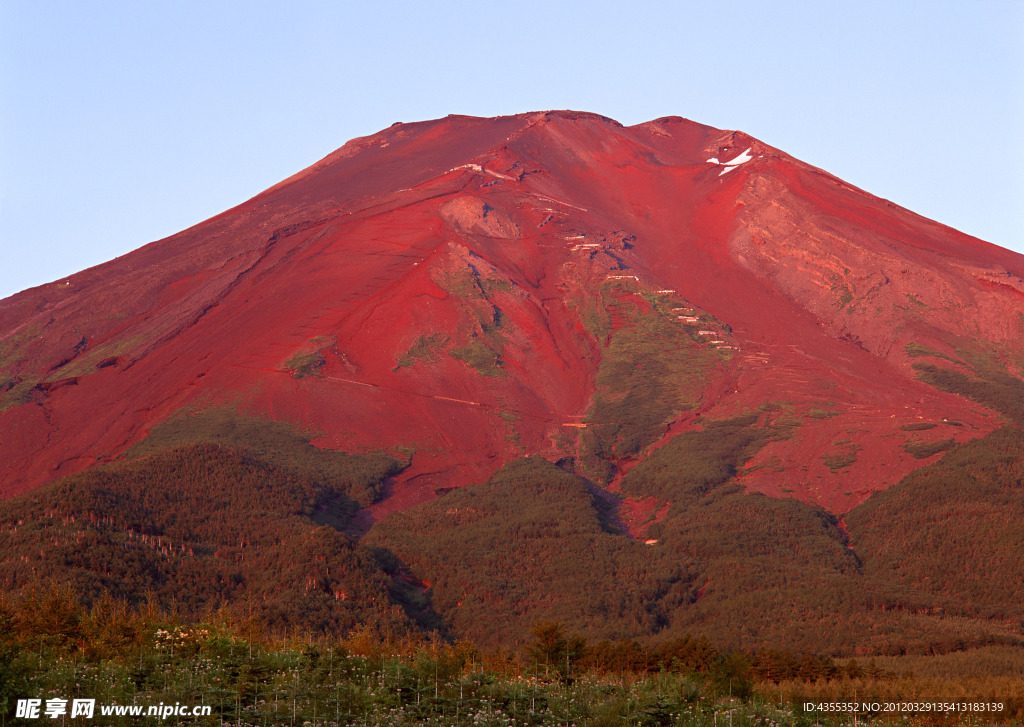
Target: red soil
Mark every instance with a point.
(358, 257)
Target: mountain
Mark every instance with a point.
(681, 318)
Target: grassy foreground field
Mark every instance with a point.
(125, 657)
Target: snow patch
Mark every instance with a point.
(741, 158)
(483, 170)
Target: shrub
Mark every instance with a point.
(305, 364)
(923, 450)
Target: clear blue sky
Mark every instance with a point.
(124, 122)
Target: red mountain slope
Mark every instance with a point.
(477, 289)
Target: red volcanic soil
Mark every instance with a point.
(437, 272)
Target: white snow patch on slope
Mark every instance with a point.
(741, 158)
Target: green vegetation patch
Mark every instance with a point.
(917, 350)
(469, 283)
(693, 463)
(484, 341)
(15, 388)
(18, 392)
(510, 419)
(464, 282)
(480, 356)
(425, 349)
(359, 477)
(990, 387)
(914, 304)
(923, 450)
(841, 460)
(492, 285)
(195, 526)
(305, 364)
(86, 363)
(596, 306)
(950, 532)
(765, 565)
(531, 543)
(844, 293)
(651, 370)
(918, 426)
(13, 348)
